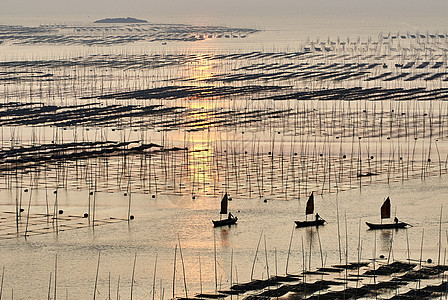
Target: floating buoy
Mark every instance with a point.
(344, 156)
(194, 197)
(55, 192)
(25, 190)
(371, 157)
(125, 194)
(153, 196)
(22, 210)
(91, 193)
(381, 256)
(265, 200)
(429, 261)
(131, 217)
(61, 211)
(85, 215)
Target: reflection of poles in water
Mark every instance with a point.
(320, 248)
(311, 244)
(231, 270)
(390, 247)
(303, 262)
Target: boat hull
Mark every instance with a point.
(225, 222)
(300, 224)
(398, 225)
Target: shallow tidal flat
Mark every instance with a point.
(112, 160)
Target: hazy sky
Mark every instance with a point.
(404, 9)
(38, 8)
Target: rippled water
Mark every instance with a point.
(178, 218)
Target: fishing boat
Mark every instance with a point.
(385, 214)
(398, 225)
(318, 221)
(231, 219)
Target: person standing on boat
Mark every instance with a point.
(396, 220)
(317, 217)
(230, 216)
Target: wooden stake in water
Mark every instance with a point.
(339, 232)
(49, 287)
(133, 274)
(174, 271)
(1, 287)
(96, 277)
(154, 280)
(183, 267)
(289, 250)
(440, 234)
(255, 258)
(216, 269)
(266, 256)
(55, 275)
(118, 288)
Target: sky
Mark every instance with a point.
(160, 8)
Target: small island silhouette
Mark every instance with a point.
(120, 20)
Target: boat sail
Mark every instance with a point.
(309, 211)
(231, 219)
(385, 209)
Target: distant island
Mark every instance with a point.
(120, 20)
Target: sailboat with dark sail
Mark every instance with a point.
(318, 221)
(231, 219)
(385, 214)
